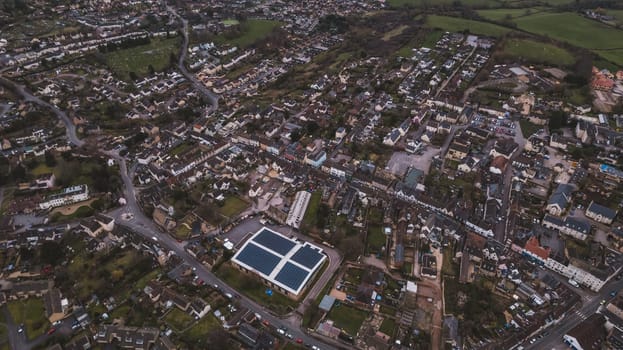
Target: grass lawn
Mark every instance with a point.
(538, 52)
(448, 268)
(182, 231)
(388, 326)
(252, 31)
(347, 318)
(376, 238)
(41, 169)
(181, 148)
(576, 30)
(178, 319)
(137, 59)
(254, 289)
(455, 24)
(309, 219)
(82, 212)
(528, 128)
(233, 206)
(140, 284)
(31, 313)
(203, 327)
(388, 310)
(230, 22)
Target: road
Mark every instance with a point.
(145, 227)
(500, 229)
(212, 98)
(27, 96)
(573, 318)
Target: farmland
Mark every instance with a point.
(537, 52)
(507, 13)
(454, 24)
(249, 32)
(576, 30)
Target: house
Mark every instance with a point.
(66, 196)
(498, 165)
(29, 289)
(533, 248)
(55, 306)
(469, 164)
(504, 148)
(588, 335)
(127, 337)
(45, 180)
(91, 227)
(457, 151)
(560, 199)
(391, 138)
(107, 222)
(162, 218)
(574, 227)
(600, 213)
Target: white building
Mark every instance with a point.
(67, 196)
(298, 208)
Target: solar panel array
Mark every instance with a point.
(283, 261)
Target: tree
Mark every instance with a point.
(51, 253)
(133, 76)
(116, 275)
(50, 160)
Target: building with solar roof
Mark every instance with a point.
(284, 264)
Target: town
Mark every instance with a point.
(356, 174)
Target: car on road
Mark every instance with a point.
(51, 331)
(299, 341)
(289, 336)
(603, 301)
(281, 331)
(21, 328)
(613, 293)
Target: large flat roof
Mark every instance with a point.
(283, 261)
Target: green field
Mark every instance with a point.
(254, 289)
(233, 206)
(198, 332)
(388, 326)
(30, 312)
(576, 30)
(348, 318)
(376, 238)
(137, 59)
(309, 219)
(178, 320)
(252, 30)
(455, 24)
(537, 52)
(528, 128)
(503, 14)
(420, 3)
(41, 169)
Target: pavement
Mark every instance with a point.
(144, 226)
(591, 302)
